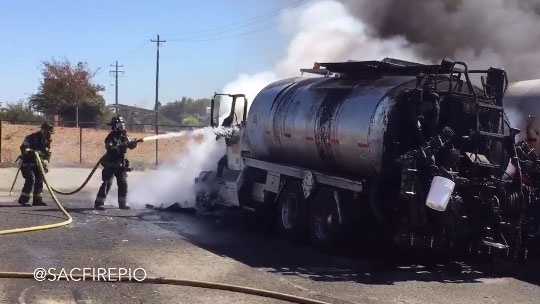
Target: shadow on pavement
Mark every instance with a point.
(228, 234)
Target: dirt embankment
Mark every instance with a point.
(69, 148)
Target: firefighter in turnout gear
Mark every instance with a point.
(115, 163)
(39, 142)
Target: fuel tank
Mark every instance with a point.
(324, 123)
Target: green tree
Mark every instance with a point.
(64, 87)
(191, 121)
(19, 111)
(180, 109)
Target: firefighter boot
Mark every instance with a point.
(122, 204)
(99, 203)
(24, 199)
(38, 201)
(103, 191)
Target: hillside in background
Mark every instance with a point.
(141, 119)
(186, 111)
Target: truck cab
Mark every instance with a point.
(228, 117)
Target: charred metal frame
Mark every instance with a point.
(233, 107)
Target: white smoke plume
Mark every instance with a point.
(522, 107)
(174, 183)
(249, 85)
(483, 33)
(322, 31)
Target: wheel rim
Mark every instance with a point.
(324, 225)
(320, 229)
(288, 212)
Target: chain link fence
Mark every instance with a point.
(82, 146)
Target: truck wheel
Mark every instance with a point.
(324, 226)
(291, 212)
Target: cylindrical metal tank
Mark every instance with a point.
(323, 123)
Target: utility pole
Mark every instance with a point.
(116, 71)
(156, 106)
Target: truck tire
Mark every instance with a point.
(292, 212)
(324, 226)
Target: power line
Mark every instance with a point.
(235, 27)
(115, 72)
(223, 30)
(158, 42)
(247, 27)
(223, 36)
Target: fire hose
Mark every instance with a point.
(96, 166)
(68, 220)
(84, 183)
(59, 191)
(14, 180)
(52, 191)
(150, 280)
(179, 282)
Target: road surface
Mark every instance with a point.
(219, 248)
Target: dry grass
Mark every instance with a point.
(65, 146)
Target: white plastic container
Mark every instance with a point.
(439, 193)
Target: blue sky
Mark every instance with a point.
(209, 43)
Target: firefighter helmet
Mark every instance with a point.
(47, 127)
(117, 123)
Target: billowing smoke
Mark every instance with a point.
(249, 85)
(322, 31)
(502, 33)
(326, 31)
(174, 183)
(522, 108)
(483, 33)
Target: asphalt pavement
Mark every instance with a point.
(223, 247)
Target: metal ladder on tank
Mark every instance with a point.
(483, 103)
(488, 102)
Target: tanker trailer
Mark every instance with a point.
(417, 151)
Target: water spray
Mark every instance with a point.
(218, 131)
(162, 136)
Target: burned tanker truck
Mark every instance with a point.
(414, 153)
